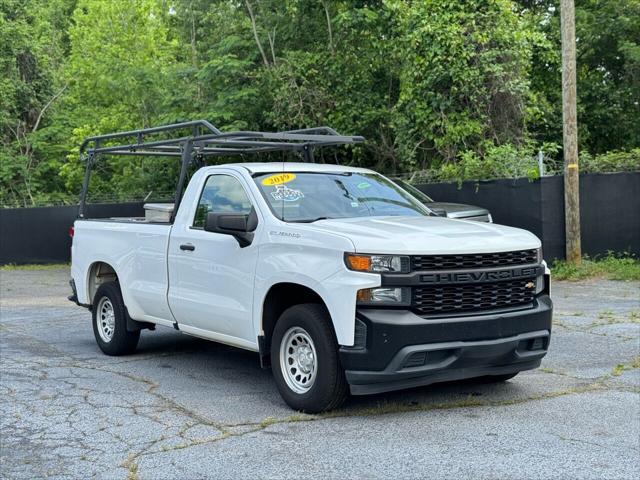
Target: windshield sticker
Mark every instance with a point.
(279, 179)
(363, 185)
(355, 204)
(286, 194)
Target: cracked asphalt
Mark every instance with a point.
(186, 408)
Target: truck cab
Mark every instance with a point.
(339, 279)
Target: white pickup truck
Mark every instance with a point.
(339, 279)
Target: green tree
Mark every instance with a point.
(462, 89)
(346, 78)
(463, 79)
(33, 46)
(121, 71)
(608, 73)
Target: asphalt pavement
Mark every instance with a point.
(185, 408)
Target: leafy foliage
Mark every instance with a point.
(502, 161)
(457, 89)
(608, 73)
(615, 161)
(463, 78)
(33, 43)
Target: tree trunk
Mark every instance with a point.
(255, 33)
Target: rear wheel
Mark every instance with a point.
(110, 321)
(305, 361)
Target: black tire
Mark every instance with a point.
(330, 388)
(495, 378)
(121, 341)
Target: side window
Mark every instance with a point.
(221, 194)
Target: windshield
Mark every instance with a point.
(311, 196)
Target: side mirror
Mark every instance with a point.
(239, 226)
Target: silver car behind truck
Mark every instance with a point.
(447, 209)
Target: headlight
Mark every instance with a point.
(377, 263)
(384, 296)
(539, 255)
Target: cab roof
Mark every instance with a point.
(266, 167)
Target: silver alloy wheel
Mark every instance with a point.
(106, 318)
(298, 360)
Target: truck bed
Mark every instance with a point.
(137, 250)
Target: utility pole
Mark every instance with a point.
(570, 133)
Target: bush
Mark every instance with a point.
(501, 161)
(616, 161)
(509, 161)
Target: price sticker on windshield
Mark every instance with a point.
(279, 179)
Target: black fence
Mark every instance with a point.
(609, 213)
(41, 235)
(609, 209)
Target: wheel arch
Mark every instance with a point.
(279, 298)
(99, 272)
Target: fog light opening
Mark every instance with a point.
(537, 343)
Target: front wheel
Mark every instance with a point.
(305, 361)
(110, 321)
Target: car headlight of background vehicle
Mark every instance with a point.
(377, 263)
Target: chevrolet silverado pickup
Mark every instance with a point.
(339, 279)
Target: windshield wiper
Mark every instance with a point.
(309, 220)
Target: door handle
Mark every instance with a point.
(187, 246)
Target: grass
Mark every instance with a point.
(48, 266)
(606, 315)
(621, 367)
(625, 267)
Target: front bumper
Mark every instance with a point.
(400, 349)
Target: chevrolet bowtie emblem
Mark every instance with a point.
(530, 285)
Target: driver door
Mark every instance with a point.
(210, 275)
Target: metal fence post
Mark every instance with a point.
(541, 163)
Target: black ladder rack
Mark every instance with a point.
(205, 140)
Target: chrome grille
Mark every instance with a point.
(477, 260)
(431, 300)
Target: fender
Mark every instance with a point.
(337, 291)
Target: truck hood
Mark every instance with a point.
(427, 235)
(459, 210)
